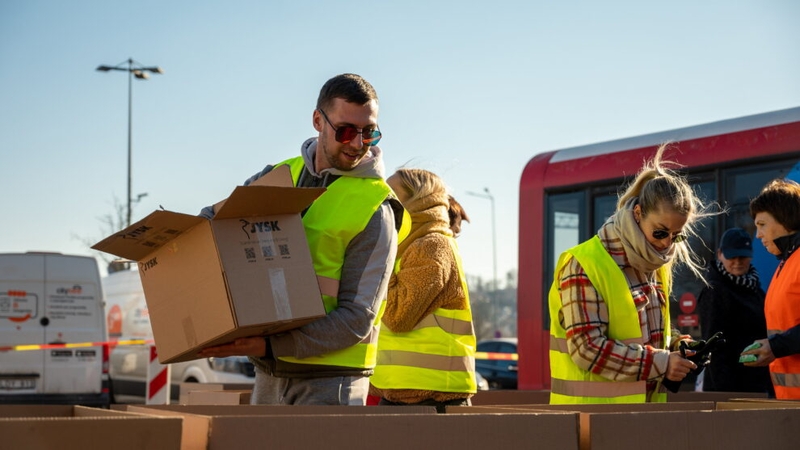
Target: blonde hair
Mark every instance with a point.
(419, 183)
(660, 188)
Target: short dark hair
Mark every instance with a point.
(781, 199)
(348, 86)
(457, 214)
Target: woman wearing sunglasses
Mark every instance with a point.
(610, 328)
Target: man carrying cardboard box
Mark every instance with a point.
(352, 231)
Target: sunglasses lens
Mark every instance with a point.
(660, 234)
(346, 134)
(372, 137)
(663, 234)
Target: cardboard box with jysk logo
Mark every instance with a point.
(246, 272)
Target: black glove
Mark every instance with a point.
(701, 357)
(703, 350)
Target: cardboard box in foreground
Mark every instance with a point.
(592, 436)
(707, 430)
(367, 427)
(669, 426)
(67, 427)
(246, 272)
(510, 397)
(185, 388)
(231, 397)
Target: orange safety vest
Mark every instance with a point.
(782, 309)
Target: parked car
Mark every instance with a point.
(497, 362)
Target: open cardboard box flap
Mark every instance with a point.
(272, 192)
(249, 201)
(140, 239)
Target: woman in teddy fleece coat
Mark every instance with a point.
(426, 348)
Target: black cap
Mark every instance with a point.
(736, 243)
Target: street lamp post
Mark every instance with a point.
(487, 194)
(134, 69)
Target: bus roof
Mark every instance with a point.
(680, 134)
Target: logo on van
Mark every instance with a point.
(74, 290)
(259, 227)
(149, 264)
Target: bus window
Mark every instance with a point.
(685, 285)
(565, 212)
(604, 207)
(741, 185)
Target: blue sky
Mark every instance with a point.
(469, 90)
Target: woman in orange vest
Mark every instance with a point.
(776, 212)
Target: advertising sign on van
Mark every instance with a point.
(18, 306)
(48, 303)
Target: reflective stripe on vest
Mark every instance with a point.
(437, 355)
(571, 384)
(331, 222)
(782, 311)
(789, 381)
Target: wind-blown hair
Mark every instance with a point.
(661, 189)
(420, 183)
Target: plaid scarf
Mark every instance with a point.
(748, 280)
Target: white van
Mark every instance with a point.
(128, 319)
(51, 312)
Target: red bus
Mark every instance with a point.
(566, 195)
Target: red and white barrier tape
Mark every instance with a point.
(27, 347)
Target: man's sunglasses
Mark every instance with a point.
(663, 234)
(347, 133)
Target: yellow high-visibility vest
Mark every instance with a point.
(571, 384)
(437, 355)
(331, 222)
